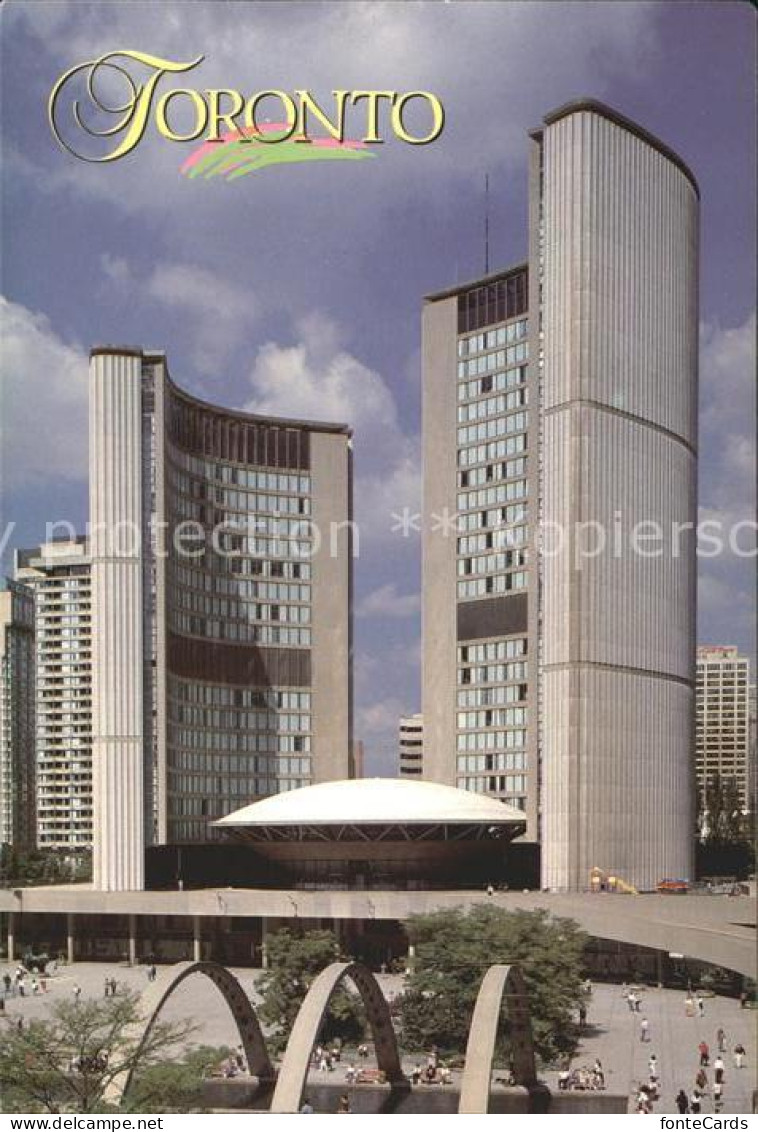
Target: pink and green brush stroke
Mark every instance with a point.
(240, 153)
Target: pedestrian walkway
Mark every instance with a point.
(613, 1035)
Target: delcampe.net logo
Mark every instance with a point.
(101, 110)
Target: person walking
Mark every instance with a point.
(721, 1040)
(652, 1067)
(701, 1080)
(644, 1030)
(700, 1004)
(344, 1104)
(630, 1001)
(739, 1056)
(704, 1052)
(695, 1102)
(306, 1106)
(7, 983)
(718, 1096)
(718, 1069)
(681, 1102)
(77, 992)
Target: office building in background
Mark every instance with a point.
(221, 592)
(17, 826)
(723, 719)
(58, 575)
(560, 401)
(411, 746)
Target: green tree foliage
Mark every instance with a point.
(454, 950)
(723, 820)
(66, 1062)
(175, 1086)
(295, 957)
(21, 868)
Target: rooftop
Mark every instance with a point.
(374, 801)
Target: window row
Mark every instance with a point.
(242, 610)
(191, 578)
(492, 650)
(260, 634)
(493, 785)
(483, 587)
(497, 519)
(487, 430)
(510, 760)
(489, 540)
(236, 741)
(495, 717)
(492, 406)
(496, 695)
(490, 473)
(495, 450)
(491, 563)
(490, 496)
(225, 696)
(492, 383)
(244, 477)
(275, 722)
(499, 336)
(184, 761)
(488, 363)
(490, 740)
(493, 673)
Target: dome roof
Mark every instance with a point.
(375, 801)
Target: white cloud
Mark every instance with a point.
(385, 601)
(726, 583)
(318, 379)
(44, 417)
(218, 313)
(479, 58)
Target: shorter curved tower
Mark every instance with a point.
(221, 578)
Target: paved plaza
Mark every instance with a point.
(612, 1033)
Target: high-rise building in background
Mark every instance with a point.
(17, 716)
(560, 406)
(411, 746)
(222, 624)
(723, 719)
(58, 574)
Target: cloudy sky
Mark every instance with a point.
(298, 290)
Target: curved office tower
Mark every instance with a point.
(560, 402)
(221, 592)
(614, 263)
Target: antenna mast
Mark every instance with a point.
(486, 223)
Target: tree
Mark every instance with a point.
(175, 1086)
(295, 957)
(452, 953)
(66, 1062)
(723, 820)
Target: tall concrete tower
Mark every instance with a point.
(560, 428)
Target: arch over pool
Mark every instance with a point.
(294, 1069)
(245, 1018)
(501, 984)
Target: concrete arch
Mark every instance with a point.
(294, 1068)
(245, 1018)
(501, 983)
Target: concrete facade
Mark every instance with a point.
(723, 734)
(411, 746)
(222, 596)
(619, 276)
(712, 929)
(17, 689)
(58, 574)
(591, 650)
